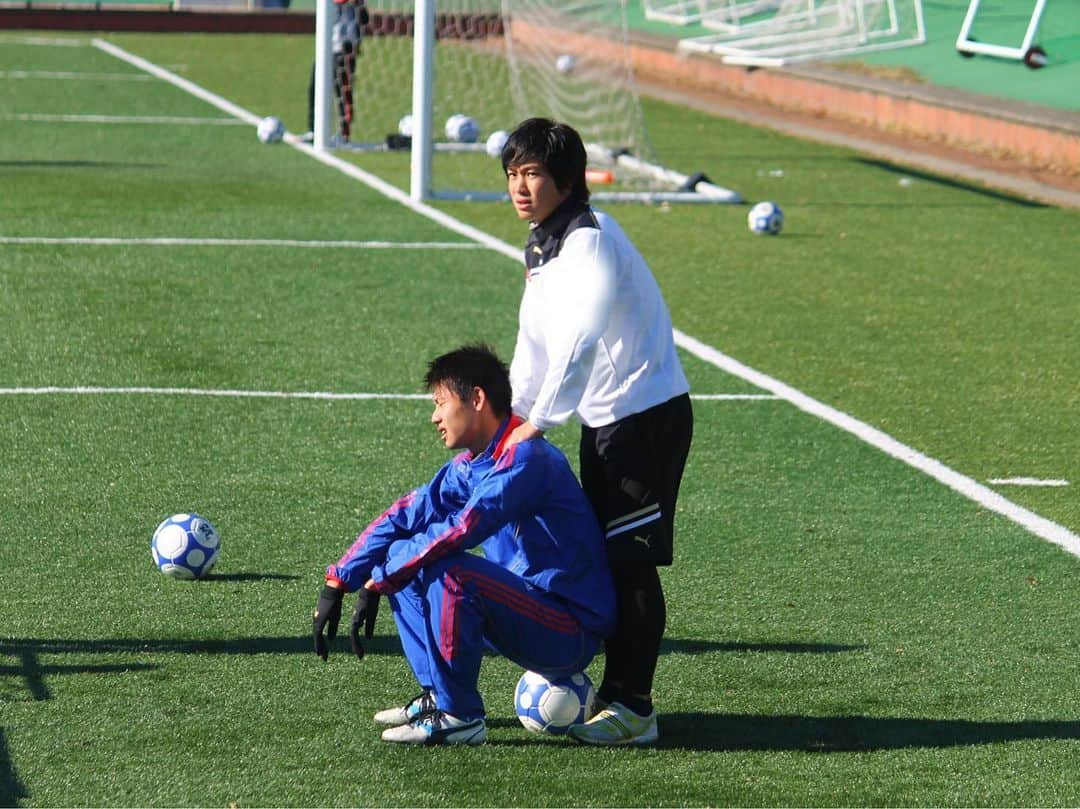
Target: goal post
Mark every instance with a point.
(323, 65)
(498, 62)
(422, 144)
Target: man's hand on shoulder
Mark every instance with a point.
(523, 432)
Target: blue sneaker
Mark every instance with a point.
(416, 708)
(438, 727)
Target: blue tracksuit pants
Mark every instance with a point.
(454, 609)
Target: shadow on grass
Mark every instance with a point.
(11, 788)
(947, 182)
(844, 734)
(248, 577)
(33, 673)
(676, 646)
(732, 732)
(26, 648)
(76, 164)
(714, 732)
(30, 669)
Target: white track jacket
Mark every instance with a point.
(594, 334)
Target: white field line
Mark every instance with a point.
(733, 397)
(169, 241)
(962, 484)
(187, 86)
(1022, 481)
(89, 390)
(969, 488)
(94, 390)
(44, 42)
(325, 158)
(157, 120)
(65, 75)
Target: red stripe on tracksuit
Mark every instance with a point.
(550, 617)
(448, 625)
(447, 542)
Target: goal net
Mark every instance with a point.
(717, 15)
(810, 30)
(499, 62)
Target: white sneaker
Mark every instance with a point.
(419, 706)
(438, 728)
(617, 725)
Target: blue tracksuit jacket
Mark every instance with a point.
(522, 506)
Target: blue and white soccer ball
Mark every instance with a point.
(552, 706)
(462, 129)
(765, 219)
(271, 129)
(185, 546)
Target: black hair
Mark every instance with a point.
(472, 366)
(558, 147)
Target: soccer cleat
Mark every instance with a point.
(438, 727)
(416, 708)
(617, 725)
(599, 704)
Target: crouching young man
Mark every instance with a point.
(541, 594)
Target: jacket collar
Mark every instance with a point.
(546, 238)
(497, 446)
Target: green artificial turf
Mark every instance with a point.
(842, 629)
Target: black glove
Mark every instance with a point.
(327, 614)
(367, 607)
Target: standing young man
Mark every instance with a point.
(595, 339)
(540, 595)
(350, 18)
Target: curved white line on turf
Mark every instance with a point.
(1040, 526)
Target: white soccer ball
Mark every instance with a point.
(271, 129)
(765, 219)
(552, 706)
(565, 63)
(462, 129)
(185, 546)
(495, 142)
(404, 126)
